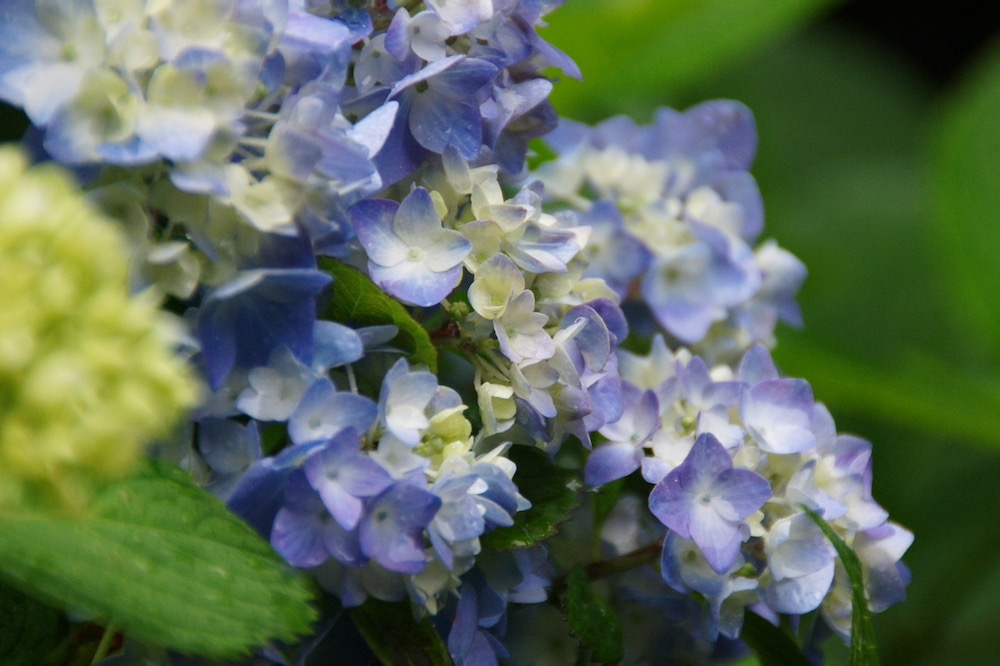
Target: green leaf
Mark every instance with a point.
(552, 498)
(772, 646)
(592, 620)
(964, 176)
(396, 638)
(163, 560)
(358, 301)
(29, 630)
(864, 650)
(628, 47)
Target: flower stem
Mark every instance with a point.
(105, 645)
(606, 568)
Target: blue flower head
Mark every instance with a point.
(410, 254)
(707, 500)
(343, 476)
(278, 305)
(392, 529)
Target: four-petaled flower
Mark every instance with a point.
(707, 500)
(410, 254)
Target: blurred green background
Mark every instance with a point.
(879, 163)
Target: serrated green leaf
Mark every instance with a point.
(164, 561)
(592, 619)
(29, 630)
(358, 301)
(552, 499)
(628, 47)
(965, 172)
(772, 646)
(864, 650)
(396, 638)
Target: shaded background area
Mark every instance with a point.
(938, 38)
(879, 163)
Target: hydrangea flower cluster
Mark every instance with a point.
(386, 306)
(675, 213)
(87, 373)
(734, 458)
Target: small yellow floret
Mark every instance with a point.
(87, 376)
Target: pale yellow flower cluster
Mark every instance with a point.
(87, 374)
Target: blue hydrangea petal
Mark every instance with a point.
(594, 339)
(880, 550)
(227, 446)
(640, 418)
(447, 250)
(343, 546)
(757, 366)
(416, 219)
(401, 155)
(242, 321)
(705, 500)
(403, 403)
(778, 413)
(416, 284)
(610, 462)
(335, 345)
(298, 527)
(501, 493)
(462, 78)
(801, 594)
(373, 223)
(181, 135)
(313, 46)
(727, 126)
(391, 531)
(743, 491)
(343, 475)
(683, 568)
(24, 42)
(324, 412)
(466, 643)
(740, 187)
(438, 123)
(718, 538)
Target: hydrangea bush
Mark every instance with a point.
(454, 392)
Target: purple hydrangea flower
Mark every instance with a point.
(323, 412)
(694, 286)
(456, 527)
(800, 560)
(243, 321)
(623, 452)
(480, 608)
(410, 254)
(880, 550)
(404, 401)
(343, 476)
(707, 500)
(392, 530)
(685, 569)
(301, 525)
(440, 107)
(778, 413)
